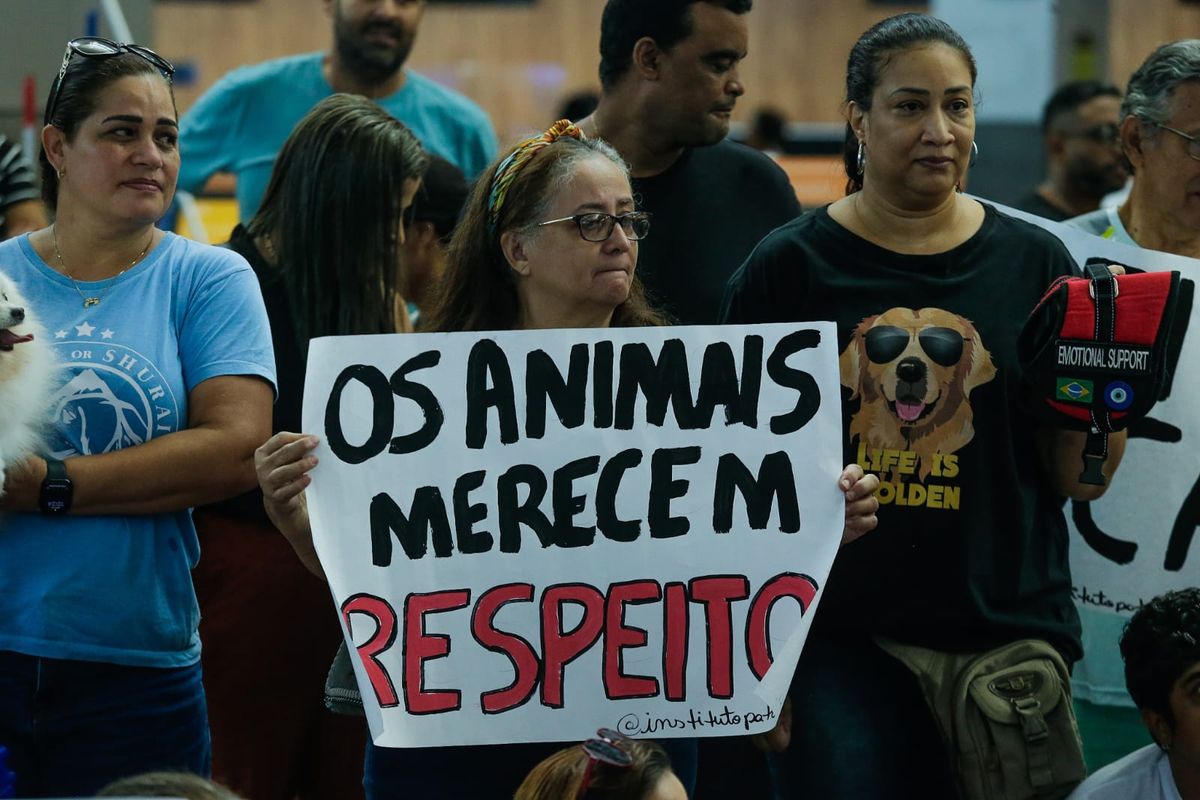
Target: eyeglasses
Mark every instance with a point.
(1104, 133)
(99, 47)
(1193, 142)
(609, 747)
(943, 345)
(596, 226)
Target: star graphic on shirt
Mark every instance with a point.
(107, 333)
(60, 334)
(85, 329)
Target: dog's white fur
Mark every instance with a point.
(25, 381)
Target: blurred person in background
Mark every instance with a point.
(578, 105)
(670, 77)
(1081, 132)
(1160, 138)
(428, 226)
(766, 131)
(21, 209)
(240, 123)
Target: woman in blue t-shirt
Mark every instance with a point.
(164, 388)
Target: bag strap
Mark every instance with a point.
(1103, 289)
(1037, 739)
(1095, 451)
(1181, 315)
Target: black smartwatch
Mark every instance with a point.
(57, 489)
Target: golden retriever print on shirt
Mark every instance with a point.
(914, 371)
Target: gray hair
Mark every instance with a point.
(563, 170)
(1149, 94)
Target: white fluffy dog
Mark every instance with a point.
(26, 366)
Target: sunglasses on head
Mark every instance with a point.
(609, 747)
(99, 47)
(943, 345)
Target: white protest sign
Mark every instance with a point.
(1138, 540)
(533, 534)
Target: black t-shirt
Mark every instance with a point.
(1034, 203)
(289, 363)
(971, 548)
(711, 207)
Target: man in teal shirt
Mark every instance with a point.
(240, 123)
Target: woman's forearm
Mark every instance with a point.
(209, 461)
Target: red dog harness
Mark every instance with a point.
(1100, 350)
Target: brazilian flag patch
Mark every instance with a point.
(1074, 390)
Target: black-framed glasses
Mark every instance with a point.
(1103, 133)
(944, 346)
(99, 47)
(1193, 142)
(596, 226)
(609, 747)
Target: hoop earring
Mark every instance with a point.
(860, 162)
(62, 173)
(974, 154)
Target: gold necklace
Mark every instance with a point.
(88, 302)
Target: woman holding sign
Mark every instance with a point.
(929, 289)
(347, 160)
(549, 240)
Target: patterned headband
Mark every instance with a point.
(521, 155)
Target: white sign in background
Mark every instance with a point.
(635, 613)
(1138, 540)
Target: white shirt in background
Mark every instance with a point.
(1143, 774)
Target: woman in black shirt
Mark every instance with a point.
(929, 288)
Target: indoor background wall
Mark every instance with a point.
(1136, 27)
(32, 36)
(519, 61)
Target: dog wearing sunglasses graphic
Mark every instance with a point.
(913, 371)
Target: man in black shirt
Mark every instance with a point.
(1080, 124)
(669, 72)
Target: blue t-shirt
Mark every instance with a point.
(242, 121)
(118, 588)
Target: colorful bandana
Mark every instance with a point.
(521, 155)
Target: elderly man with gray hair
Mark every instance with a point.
(1160, 137)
